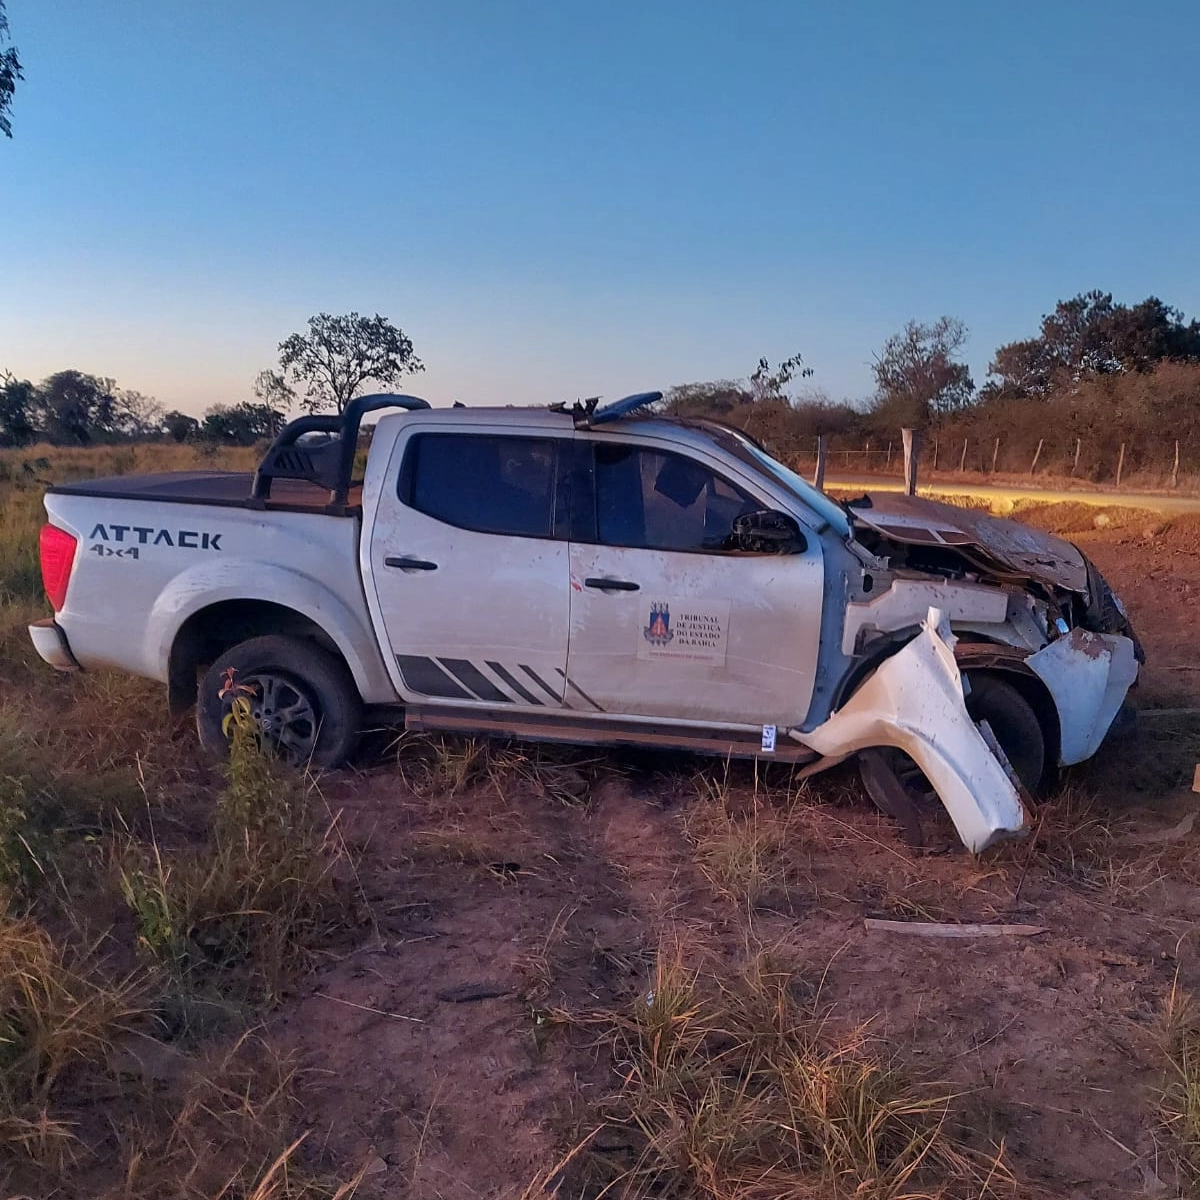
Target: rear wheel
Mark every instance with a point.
(899, 787)
(302, 699)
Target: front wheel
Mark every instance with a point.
(302, 699)
(899, 787)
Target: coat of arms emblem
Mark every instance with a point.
(658, 632)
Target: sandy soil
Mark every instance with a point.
(433, 1062)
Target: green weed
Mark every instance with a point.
(246, 909)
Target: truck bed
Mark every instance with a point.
(224, 489)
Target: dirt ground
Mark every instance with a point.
(436, 1059)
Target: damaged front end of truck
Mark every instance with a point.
(945, 600)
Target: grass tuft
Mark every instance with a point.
(59, 1012)
(735, 1086)
(226, 1131)
(1179, 1101)
(746, 844)
(247, 908)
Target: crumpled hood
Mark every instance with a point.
(1012, 547)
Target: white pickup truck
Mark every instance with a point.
(596, 575)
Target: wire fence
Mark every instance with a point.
(1170, 464)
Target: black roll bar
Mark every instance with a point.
(330, 464)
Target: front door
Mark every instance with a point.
(469, 564)
(666, 620)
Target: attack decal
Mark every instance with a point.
(148, 535)
(689, 630)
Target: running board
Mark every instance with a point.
(549, 728)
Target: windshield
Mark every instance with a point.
(796, 484)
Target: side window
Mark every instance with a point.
(486, 482)
(659, 500)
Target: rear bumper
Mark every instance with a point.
(51, 643)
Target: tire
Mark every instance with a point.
(1011, 718)
(1015, 725)
(305, 695)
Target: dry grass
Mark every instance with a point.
(441, 768)
(59, 1013)
(224, 1131)
(735, 1085)
(1179, 1105)
(749, 843)
(92, 775)
(247, 908)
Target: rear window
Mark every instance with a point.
(485, 482)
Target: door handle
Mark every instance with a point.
(611, 585)
(406, 562)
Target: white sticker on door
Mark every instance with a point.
(695, 630)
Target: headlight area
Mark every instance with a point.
(1104, 612)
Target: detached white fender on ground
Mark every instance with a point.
(914, 701)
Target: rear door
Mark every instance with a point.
(666, 620)
(469, 567)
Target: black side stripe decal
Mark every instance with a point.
(519, 688)
(575, 687)
(470, 676)
(542, 684)
(425, 676)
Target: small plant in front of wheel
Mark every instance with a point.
(244, 911)
(257, 791)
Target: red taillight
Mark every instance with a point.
(57, 548)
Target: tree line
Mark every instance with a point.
(323, 367)
(1110, 373)
(1097, 371)
(73, 408)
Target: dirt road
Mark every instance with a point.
(1004, 495)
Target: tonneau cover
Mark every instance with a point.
(230, 489)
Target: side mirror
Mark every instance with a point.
(767, 531)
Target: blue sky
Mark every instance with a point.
(557, 198)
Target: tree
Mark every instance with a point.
(10, 72)
(76, 409)
(136, 415)
(723, 397)
(273, 389)
(179, 427)
(1091, 335)
(762, 405)
(918, 375)
(241, 424)
(337, 355)
(17, 397)
(768, 384)
(72, 408)
(717, 398)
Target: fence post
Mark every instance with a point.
(889, 461)
(1036, 455)
(1075, 465)
(962, 460)
(1175, 467)
(935, 454)
(995, 451)
(819, 472)
(911, 440)
(1120, 464)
